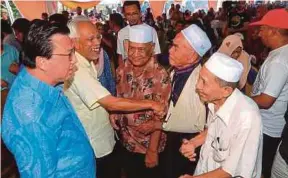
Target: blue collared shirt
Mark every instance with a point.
(43, 132)
(10, 55)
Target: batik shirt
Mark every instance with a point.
(152, 84)
(44, 134)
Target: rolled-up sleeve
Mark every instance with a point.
(88, 88)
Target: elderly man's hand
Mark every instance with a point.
(159, 109)
(113, 118)
(186, 176)
(149, 126)
(14, 68)
(151, 158)
(188, 149)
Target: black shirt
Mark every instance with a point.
(283, 149)
(237, 19)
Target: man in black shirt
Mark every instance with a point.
(280, 165)
(238, 19)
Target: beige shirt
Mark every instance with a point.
(189, 113)
(234, 138)
(83, 91)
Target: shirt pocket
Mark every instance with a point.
(221, 150)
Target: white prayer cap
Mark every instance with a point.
(224, 67)
(197, 38)
(140, 34)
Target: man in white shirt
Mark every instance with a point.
(91, 100)
(132, 13)
(79, 14)
(232, 143)
(270, 89)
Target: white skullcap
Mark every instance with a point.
(224, 67)
(140, 34)
(197, 38)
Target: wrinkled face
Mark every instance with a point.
(208, 88)
(265, 33)
(61, 66)
(19, 36)
(236, 53)
(181, 54)
(139, 54)
(132, 14)
(88, 43)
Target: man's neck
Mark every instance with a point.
(40, 75)
(279, 43)
(218, 104)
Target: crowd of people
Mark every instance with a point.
(182, 95)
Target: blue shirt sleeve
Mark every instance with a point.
(108, 75)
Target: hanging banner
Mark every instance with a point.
(82, 4)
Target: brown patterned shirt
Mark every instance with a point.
(152, 84)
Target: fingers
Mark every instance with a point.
(185, 141)
(113, 122)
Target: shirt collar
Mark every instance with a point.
(82, 60)
(278, 49)
(226, 110)
(186, 69)
(42, 88)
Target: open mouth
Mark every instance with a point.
(96, 49)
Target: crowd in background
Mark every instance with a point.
(231, 18)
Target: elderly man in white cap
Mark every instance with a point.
(92, 101)
(141, 77)
(186, 114)
(232, 143)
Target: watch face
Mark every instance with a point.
(235, 21)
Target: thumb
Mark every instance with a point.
(185, 141)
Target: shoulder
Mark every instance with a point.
(123, 31)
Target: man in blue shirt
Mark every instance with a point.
(39, 125)
(9, 60)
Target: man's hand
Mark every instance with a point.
(113, 118)
(14, 68)
(4, 84)
(186, 176)
(188, 149)
(151, 158)
(149, 126)
(159, 109)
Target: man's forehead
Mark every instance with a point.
(86, 27)
(139, 44)
(61, 42)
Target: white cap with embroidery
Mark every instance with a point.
(197, 38)
(224, 67)
(140, 34)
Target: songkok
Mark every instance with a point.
(224, 67)
(197, 38)
(140, 34)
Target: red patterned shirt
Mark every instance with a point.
(153, 84)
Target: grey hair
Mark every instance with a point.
(72, 25)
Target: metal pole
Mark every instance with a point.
(10, 12)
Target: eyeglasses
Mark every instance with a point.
(71, 54)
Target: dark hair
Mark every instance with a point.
(44, 14)
(21, 25)
(180, 22)
(58, 18)
(117, 19)
(5, 27)
(38, 41)
(130, 3)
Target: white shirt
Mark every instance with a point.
(123, 35)
(272, 80)
(83, 91)
(234, 138)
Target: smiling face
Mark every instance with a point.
(139, 54)
(88, 43)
